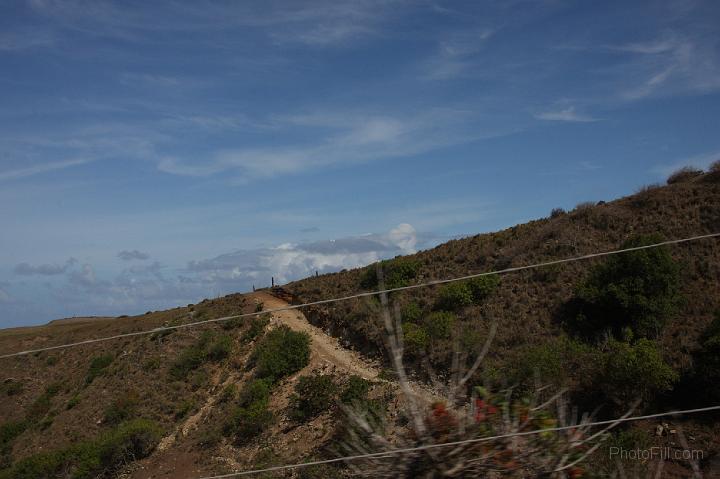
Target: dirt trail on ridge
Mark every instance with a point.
(324, 348)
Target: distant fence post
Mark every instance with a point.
(272, 281)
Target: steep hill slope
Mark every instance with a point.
(230, 396)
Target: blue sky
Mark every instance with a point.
(156, 153)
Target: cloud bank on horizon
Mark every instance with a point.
(155, 153)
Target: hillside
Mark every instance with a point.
(269, 390)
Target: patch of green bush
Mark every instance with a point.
(229, 393)
(247, 422)
(454, 296)
(257, 327)
(184, 408)
(439, 324)
(634, 371)
(554, 363)
(355, 391)
(219, 348)
(91, 459)
(122, 408)
(397, 272)
(9, 431)
(638, 289)
(416, 338)
(458, 295)
(411, 313)
(209, 347)
(482, 287)
(232, 323)
(257, 391)
(280, 353)
(706, 372)
(98, 367)
(41, 406)
(313, 395)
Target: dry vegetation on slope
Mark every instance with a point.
(224, 397)
(667, 368)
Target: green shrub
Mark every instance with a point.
(638, 289)
(397, 272)
(41, 406)
(188, 360)
(219, 348)
(228, 394)
(411, 313)
(281, 352)
(184, 408)
(98, 366)
(482, 287)
(454, 296)
(706, 374)
(257, 391)
(439, 324)
(313, 395)
(356, 390)
(122, 408)
(251, 416)
(634, 371)
(91, 459)
(248, 422)
(257, 327)
(416, 338)
(232, 323)
(457, 295)
(9, 431)
(209, 347)
(553, 363)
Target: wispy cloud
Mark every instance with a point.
(288, 261)
(455, 55)
(673, 63)
(342, 138)
(41, 168)
(311, 23)
(566, 114)
(126, 255)
(26, 269)
(20, 40)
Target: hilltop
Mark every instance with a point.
(269, 390)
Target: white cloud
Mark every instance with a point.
(288, 262)
(26, 269)
(41, 168)
(343, 138)
(455, 55)
(126, 255)
(25, 39)
(671, 64)
(567, 114)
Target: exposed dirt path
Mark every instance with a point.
(324, 348)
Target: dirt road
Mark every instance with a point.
(324, 348)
